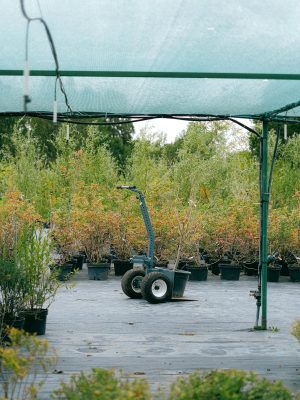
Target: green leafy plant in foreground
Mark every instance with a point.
(227, 385)
(20, 361)
(296, 330)
(102, 384)
(216, 385)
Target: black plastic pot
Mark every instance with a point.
(294, 271)
(13, 321)
(98, 272)
(78, 261)
(230, 272)
(83, 253)
(180, 280)
(251, 268)
(284, 268)
(214, 266)
(198, 273)
(122, 266)
(273, 273)
(64, 271)
(10, 321)
(35, 321)
(205, 255)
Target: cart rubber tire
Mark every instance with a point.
(129, 280)
(156, 287)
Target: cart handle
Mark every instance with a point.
(126, 187)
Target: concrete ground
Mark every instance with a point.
(95, 325)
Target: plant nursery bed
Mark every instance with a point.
(96, 325)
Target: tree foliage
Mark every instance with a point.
(220, 181)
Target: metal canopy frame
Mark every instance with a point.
(153, 74)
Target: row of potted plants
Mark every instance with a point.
(226, 267)
(230, 270)
(180, 232)
(94, 225)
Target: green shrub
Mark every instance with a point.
(296, 330)
(227, 385)
(20, 361)
(102, 384)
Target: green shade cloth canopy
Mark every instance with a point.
(155, 57)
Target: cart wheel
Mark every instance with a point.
(156, 287)
(131, 283)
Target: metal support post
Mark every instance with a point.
(148, 225)
(264, 223)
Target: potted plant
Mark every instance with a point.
(186, 228)
(293, 257)
(122, 264)
(217, 254)
(283, 225)
(98, 266)
(273, 272)
(121, 243)
(238, 239)
(294, 270)
(78, 260)
(251, 267)
(273, 267)
(197, 267)
(96, 240)
(231, 271)
(293, 262)
(165, 224)
(194, 261)
(211, 249)
(250, 245)
(64, 236)
(15, 213)
(11, 296)
(231, 261)
(41, 284)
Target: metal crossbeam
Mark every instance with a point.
(154, 74)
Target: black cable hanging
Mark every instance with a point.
(274, 157)
(54, 54)
(93, 123)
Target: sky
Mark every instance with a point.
(172, 128)
(236, 140)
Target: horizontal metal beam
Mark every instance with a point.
(154, 74)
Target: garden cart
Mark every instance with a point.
(154, 284)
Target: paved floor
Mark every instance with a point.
(96, 325)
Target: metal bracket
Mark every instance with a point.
(256, 294)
